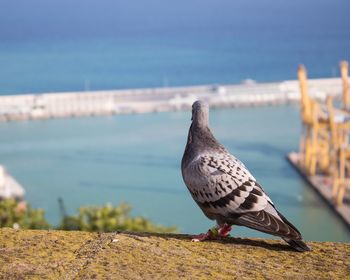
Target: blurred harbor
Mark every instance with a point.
(323, 159)
(135, 158)
(319, 160)
(109, 102)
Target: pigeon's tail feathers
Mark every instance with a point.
(268, 223)
(298, 245)
(291, 227)
(279, 226)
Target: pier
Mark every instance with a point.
(109, 102)
(322, 185)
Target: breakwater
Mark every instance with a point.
(108, 102)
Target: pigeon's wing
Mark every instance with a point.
(226, 191)
(221, 184)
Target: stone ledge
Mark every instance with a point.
(39, 254)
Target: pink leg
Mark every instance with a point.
(222, 231)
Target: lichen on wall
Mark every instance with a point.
(30, 254)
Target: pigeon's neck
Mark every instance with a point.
(200, 139)
(201, 119)
(202, 136)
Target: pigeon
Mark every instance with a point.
(224, 188)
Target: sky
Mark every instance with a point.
(30, 18)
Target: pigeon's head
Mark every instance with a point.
(200, 113)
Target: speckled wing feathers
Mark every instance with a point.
(221, 184)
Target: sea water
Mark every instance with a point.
(50, 46)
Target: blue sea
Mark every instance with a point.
(49, 46)
(54, 46)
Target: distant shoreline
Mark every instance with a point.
(164, 99)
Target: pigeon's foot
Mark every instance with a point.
(213, 233)
(224, 230)
(203, 236)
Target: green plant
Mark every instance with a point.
(20, 215)
(109, 218)
(91, 218)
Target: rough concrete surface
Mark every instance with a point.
(39, 254)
